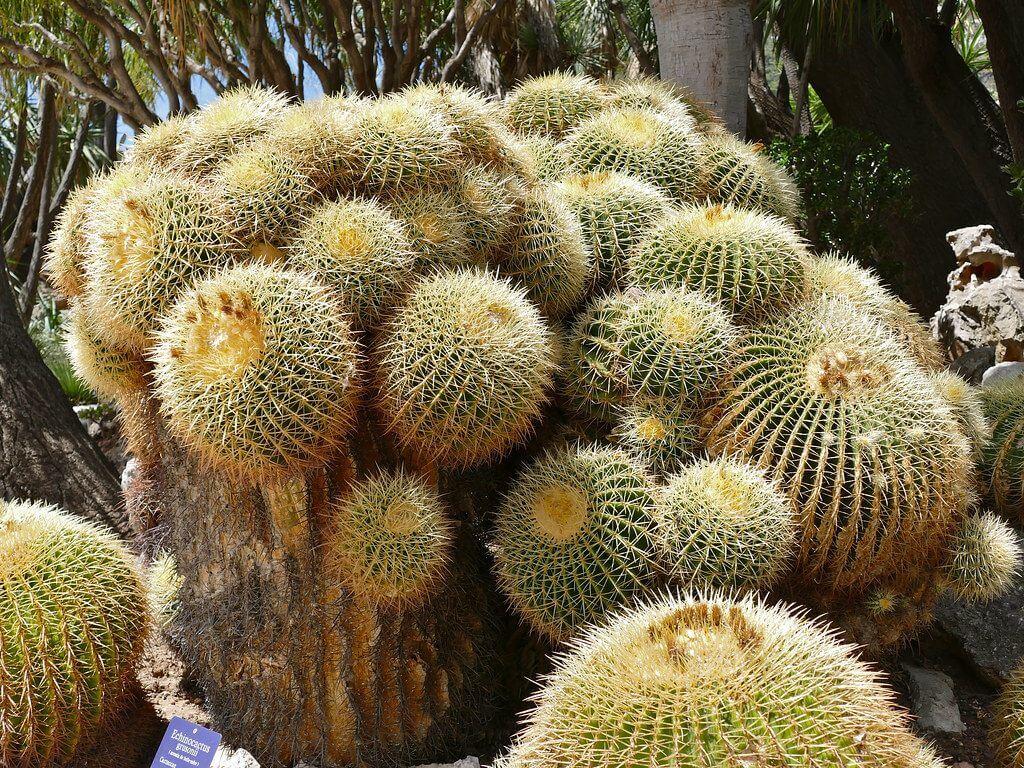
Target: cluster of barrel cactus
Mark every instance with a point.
(73, 620)
(364, 347)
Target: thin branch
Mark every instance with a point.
(14, 173)
(453, 65)
(643, 56)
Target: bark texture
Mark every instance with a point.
(705, 45)
(45, 455)
(296, 668)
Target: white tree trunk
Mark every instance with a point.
(705, 45)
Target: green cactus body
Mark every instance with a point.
(111, 372)
(401, 146)
(1008, 727)
(674, 345)
(256, 371)
(659, 96)
(544, 156)
(750, 262)
(553, 104)
(438, 227)
(548, 255)
(1004, 455)
(392, 540)
(145, 246)
(641, 143)
(739, 174)
(615, 211)
(712, 682)
(359, 248)
(317, 138)
(67, 250)
(591, 377)
(725, 525)
(226, 125)
(858, 439)
(984, 558)
(662, 434)
(837, 277)
(489, 200)
(575, 536)
(73, 619)
(263, 193)
(969, 407)
(464, 368)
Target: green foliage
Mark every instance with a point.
(46, 330)
(850, 187)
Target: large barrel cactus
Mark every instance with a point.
(73, 619)
(364, 348)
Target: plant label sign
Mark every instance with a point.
(186, 745)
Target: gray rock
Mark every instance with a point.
(933, 700)
(1002, 372)
(131, 469)
(227, 757)
(973, 363)
(985, 301)
(466, 762)
(990, 635)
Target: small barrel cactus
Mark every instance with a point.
(575, 538)
(725, 525)
(1004, 455)
(1008, 728)
(986, 558)
(554, 104)
(74, 614)
(707, 681)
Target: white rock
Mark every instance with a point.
(227, 757)
(934, 702)
(131, 469)
(1002, 372)
(466, 762)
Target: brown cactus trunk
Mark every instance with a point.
(294, 667)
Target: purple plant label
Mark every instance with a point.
(186, 745)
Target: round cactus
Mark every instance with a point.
(708, 681)
(489, 201)
(112, 373)
(438, 226)
(575, 538)
(837, 277)
(660, 96)
(985, 557)
(317, 138)
(1008, 728)
(615, 211)
(73, 620)
(641, 143)
(263, 193)
(968, 406)
(725, 525)
(662, 435)
(225, 125)
(392, 539)
(739, 174)
(544, 156)
(398, 145)
(358, 247)
(674, 344)
(752, 263)
(591, 376)
(464, 368)
(1004, 455)
(67, 250)
(554, 104)
(146, 245)
(256, 371)
(159, 144)
(164, 583)
(548, 254)
(855, 434)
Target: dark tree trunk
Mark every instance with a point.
(865, 85)
(944, 80)
(1004, 34)
(45, 455)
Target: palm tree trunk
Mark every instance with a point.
(705, 45)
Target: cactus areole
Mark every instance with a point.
(401, 373)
